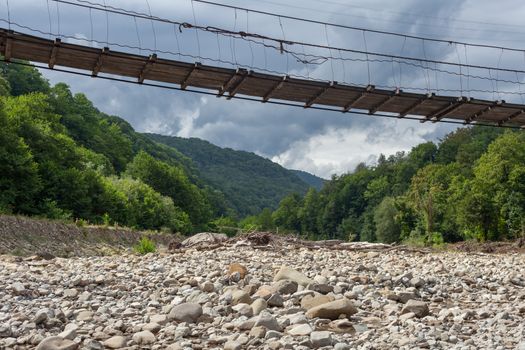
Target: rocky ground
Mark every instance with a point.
(238, 296)
(24, 236)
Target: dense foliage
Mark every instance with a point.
(62, 158)
(470, 185)
(249, 183)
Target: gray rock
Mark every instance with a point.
(187, 312)
(94, 345)
(41, 316)
(85, 316)
(419, 308)
(285, 287)
(333, 309)
(144, 338)
(204, 238)
(258, 332)
(269, 322)
(259, 305)
(70, 293)
(57, 343)
(240, 296)
(115, 342)
(320, 339)
(18, 288)
(232, 345)
(276, 300)
(287, 273)
(300, 330)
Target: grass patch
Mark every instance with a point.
(145, 246)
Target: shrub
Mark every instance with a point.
(145, 246)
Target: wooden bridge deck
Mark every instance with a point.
(230, 82)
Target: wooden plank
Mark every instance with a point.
(100, 61)
(237, 86)
(54, 53)
(359, 97)
(385, 101)
(228, 84)
(412, 107)
(275, 88)
(319, 94)
(487, 109)
(185, 82)
(511, 117)
(147, 66)
(440, 114)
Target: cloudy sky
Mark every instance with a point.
(320, 142)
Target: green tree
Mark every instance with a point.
(388, 228)
(287, 214)
(23, 79)
(19, 180)
(172, 182)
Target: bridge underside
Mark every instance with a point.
(230, 82)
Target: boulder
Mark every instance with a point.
(269, 322)
(287, 273)
(115, 342)
(144, 337)
(419, 308)
(57, 343)
(186, 312)
(204, 238)
(333, 309)
(285, 287)
(320, 339)
(310, 301)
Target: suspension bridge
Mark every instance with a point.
(251, 84)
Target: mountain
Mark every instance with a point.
(249, 182)
(312, 180)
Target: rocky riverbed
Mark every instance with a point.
(244, 297)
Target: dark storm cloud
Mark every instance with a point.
(321, 142)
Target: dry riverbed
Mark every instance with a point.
(285, 297)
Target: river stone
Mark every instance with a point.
(116, 342)
(204, 238)
(259, 305)
(85, 316)
(241, 296)
(144, 337)
(309, 301)
(287, 273)
(186, 312)
(57, 343)
(300, 330)
(419, 308)
(320, 339)
(333, 309)
(269, 322)
(236, 267)
(232, 345)
(285, 287)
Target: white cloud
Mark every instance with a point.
(340, 150)
(316, 141)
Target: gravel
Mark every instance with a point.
(287, 298)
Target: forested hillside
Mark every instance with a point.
(469, 186)
(60, 157)
(249, 182)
